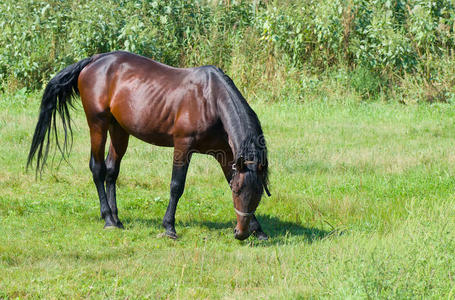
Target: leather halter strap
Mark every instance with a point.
(243, 214)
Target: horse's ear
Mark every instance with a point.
(240, 163)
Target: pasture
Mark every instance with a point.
(362, 206)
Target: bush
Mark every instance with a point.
(366, 82)
(386, 40)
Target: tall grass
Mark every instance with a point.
(399, 49)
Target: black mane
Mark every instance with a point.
(252, 146)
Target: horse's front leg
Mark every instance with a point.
(182, 157)
(256, 229)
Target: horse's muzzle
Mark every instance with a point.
(239, 235)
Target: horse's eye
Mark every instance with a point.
(235, 187)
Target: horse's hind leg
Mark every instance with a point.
(119, 143)
(98, 133)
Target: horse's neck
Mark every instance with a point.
(239, 120)
(237, 123)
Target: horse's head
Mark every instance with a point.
(248, 183)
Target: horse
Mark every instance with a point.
(194, 110)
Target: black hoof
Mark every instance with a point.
(171, 235)
(106, 226)
(168, 234)
(109, 222)
(261, 235)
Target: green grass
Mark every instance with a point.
(362, 207)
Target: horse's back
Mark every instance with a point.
(150, 100)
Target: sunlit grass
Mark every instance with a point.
(362, 206)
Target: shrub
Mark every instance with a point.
(384, 41)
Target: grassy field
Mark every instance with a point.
(362, 206)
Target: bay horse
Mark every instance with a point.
(194, 110)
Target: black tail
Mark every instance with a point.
(56, 98)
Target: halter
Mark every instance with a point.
(244, 214)
(246, 162)
(241, 213)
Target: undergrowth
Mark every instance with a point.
(389, 49)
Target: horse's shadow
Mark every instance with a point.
(279, 231)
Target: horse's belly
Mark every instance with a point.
(158, 139)
(152, 134)
(148, 124)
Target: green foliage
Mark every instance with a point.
(382, 43)
(366, 82)
(390, 35)
(391, 38)
(40, 37)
